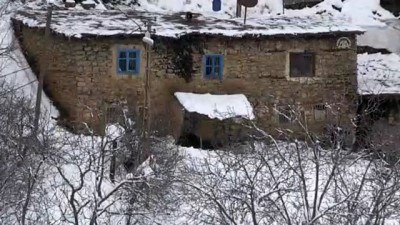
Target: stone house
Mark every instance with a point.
(290, 68)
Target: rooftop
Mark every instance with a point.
(83, 23)
(378, 74)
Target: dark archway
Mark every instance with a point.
(192, 140)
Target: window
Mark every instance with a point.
(285, 115)
(213, 66)
(289, 114)
(302, 64)
(128, 61)
(319, 112)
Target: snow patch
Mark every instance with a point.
(378, 74)
(217, 106)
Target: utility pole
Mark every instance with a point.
(146, 125)
(43, 70)
(245, 14)
(238, 9)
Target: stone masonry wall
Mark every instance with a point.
(82, 76)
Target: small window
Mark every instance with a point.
(302, 64)
(289, 114)
(213, 66)
(128, 61)
(285, 115)
(319, 112)
(114, 114)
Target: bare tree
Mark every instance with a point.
(21, 156)
(291, 182)
(93, 181)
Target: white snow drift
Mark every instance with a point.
(217, 106)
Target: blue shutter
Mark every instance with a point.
(205, 75)
(215, 57)
(119, 59)
(138, 62)
(221, 66)
(213, 66)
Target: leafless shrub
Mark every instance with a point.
(22, 156)
(291, 182)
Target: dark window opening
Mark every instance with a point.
(285, 115)
(191, 140)
(213, 66)
(302, 64)
(319, 112)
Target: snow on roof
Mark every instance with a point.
(378, 74)
(217, 106)
(81, 23)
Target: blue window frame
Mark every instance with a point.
(128, 61)
(213, 66)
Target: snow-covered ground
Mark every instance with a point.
(241, 188)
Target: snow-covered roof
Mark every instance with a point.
(217, 106)
(378, 74)
(81, 23)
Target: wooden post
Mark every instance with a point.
(147, 104)
(245, 14)
(43, 70)
(238, 9)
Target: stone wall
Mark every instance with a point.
(82, 76)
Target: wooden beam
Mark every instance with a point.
(43, 70)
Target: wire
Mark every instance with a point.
(17, 88)
(139, 27)
(369, 68)
(14, 72)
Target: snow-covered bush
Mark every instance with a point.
(290, 183)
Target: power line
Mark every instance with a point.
(137, 24)
(17, 88)
(369, 68)
(14, 72)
